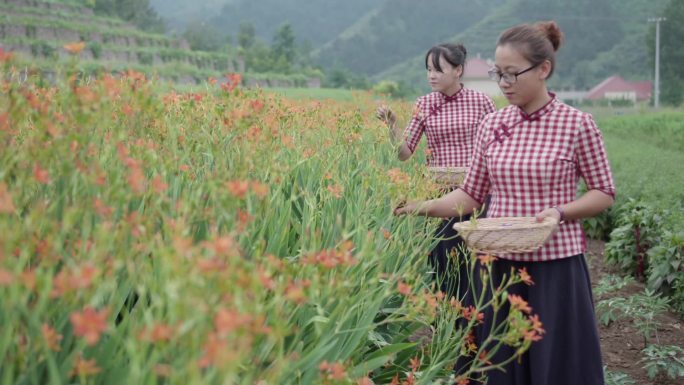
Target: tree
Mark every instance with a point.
(671, 53)
(203, 37)
(246, 36)
(138, 12)
(284, 49)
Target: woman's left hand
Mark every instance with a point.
(550, 212)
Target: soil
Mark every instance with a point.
(621, 342)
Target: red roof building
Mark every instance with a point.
(616, 87)
(476, 78)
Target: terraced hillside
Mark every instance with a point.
(39, 30)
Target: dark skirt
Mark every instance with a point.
(449, 259)
(569, 352)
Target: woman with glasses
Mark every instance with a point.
(530, 155)
(448, 117)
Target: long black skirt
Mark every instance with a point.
(449, 259)
(569, 352)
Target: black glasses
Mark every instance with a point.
(507, 77)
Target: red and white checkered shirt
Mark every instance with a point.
(533, 162)
(450, 125)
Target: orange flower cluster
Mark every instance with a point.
(397, 176)
(84, 368)
(5, 56)
(240, 188)
(89, 324)
(75, 48)
(6, 202)
(331, 258)
(157, 333)
(336, 190)
(525, 277)
(518, 303)
(233, 334)
(234, 80)
(334, 371)
(78, 278)
(51, 337)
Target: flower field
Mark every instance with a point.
(226, 236)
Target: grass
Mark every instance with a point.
(337, 94)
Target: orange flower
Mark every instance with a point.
(238, 188)
(89, 324)
(333, 371)
(102, 209)
(365, 381)
(157, 333)
(259, 189)
(136, 178)
(6, 204)
(234, 80)
(518, 303)
(83, 367)
(159, 185)
(5, 56)
(336, 190)
(223, 246)
(537, 329)
(257, 105)
(525, 277)
(215, 352)
(228, 321)
(51, 337)
(415, 364)
(397, 176)
(470, 312)
(6, 278)
(403, 288)
(462, 381)
(486, 259)
(40, 175)
(75, 48)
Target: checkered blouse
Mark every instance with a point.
(450, 125)
(533, 162)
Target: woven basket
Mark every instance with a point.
(506, 235)
(448, 176)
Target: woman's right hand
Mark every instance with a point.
(405, 208)
(385, 114)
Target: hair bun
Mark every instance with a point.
(553, 33)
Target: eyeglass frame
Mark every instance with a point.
(498, 75)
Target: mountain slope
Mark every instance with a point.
(602, 38)
(397, 30)
(315, 21)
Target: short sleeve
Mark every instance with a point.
(489, 105)
(477, 181)
(592, 158)
(416, 127)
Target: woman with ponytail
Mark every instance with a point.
(448, 117)
(530, 156)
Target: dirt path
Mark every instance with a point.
(621, 343)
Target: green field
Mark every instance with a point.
(646, 153)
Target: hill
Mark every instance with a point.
(313, 21)
(39, 30)
(397, 30)
(603, 37)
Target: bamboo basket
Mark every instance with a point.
(507, 234)
(448, 177)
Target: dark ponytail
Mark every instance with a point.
(454, 54)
